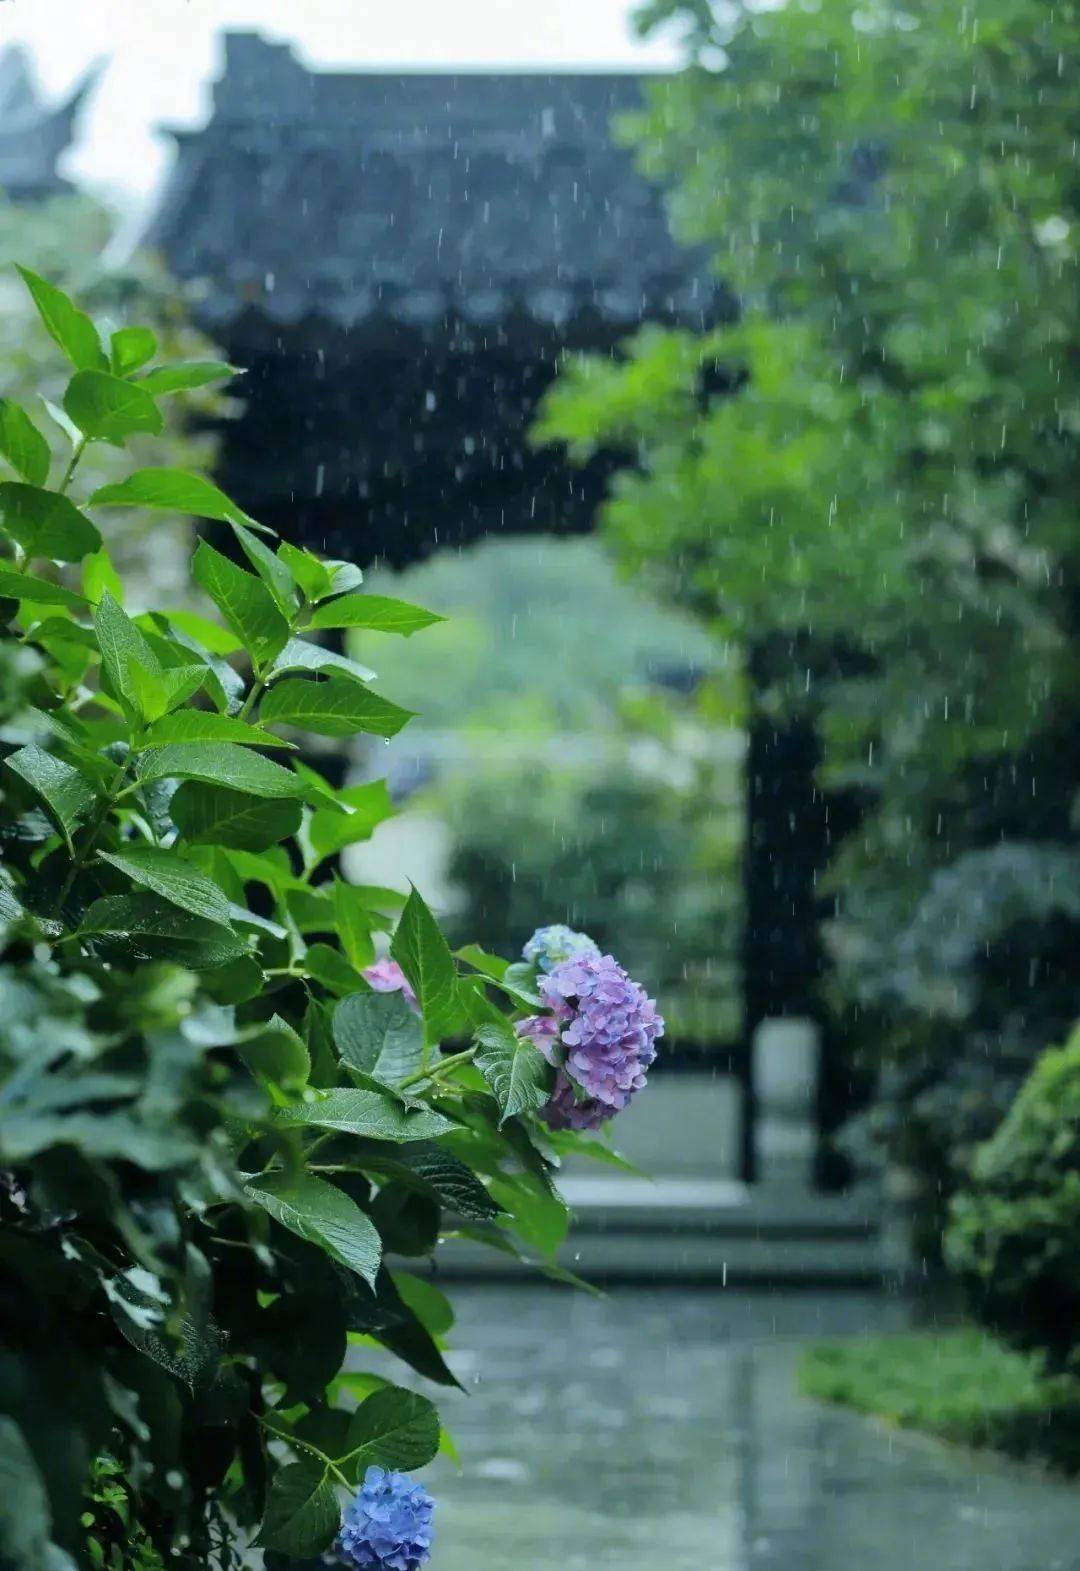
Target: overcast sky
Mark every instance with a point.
(161, 55)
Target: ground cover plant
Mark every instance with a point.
(238, 1095)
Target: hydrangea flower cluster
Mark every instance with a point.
(606, 1026)
(388, 1525)
(550, 946)
(386, 976)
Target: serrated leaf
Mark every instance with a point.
(302, 1516)
(107, 409)
(69, 327)
(299, 655)
(392, 1428)
(354, 925)
(514, 1068)
(145, 926)
(214, 815)
(45, 524)
(334, 707)
(220, 763)
(454, 1184)
(322, 1214)
(173, 489)
(379, 1034)
(307, 570)
(66, 794)
(128, 661)
(244, 601)
(131, 348)
(423, 954)
(373, 1114)
(24, 586)
(273, 572)
(378, 613)
(205, 725)
(369, 806)
(166, 874)
(184, 376)
(22, 444)
(276, 1050)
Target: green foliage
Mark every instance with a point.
(1012, 1236)
(215, 1137)
(878, 463)
(959, 1385)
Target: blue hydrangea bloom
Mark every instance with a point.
(608, 1028)
(388, 1525)
(550, 946)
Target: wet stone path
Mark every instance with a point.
(662, 1431)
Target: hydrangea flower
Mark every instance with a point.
(386, 976)
(550, 946)
(601, 1036)
(388, 1525)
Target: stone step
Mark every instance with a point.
(705, 1230)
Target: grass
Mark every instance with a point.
(961, 1386)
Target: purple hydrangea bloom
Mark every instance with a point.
(608, 1028)
(386, 976)
(550, 946)
(388, 1525)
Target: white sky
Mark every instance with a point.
(162, 55)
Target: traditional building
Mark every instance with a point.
(399, 261)
(33, 135)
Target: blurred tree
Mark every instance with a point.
(887, 501)
(75, 242)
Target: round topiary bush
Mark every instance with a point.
(1014, 1233)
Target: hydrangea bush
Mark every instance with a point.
(240, 1097)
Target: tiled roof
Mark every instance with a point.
(420, 197)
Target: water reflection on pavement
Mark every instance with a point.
(662, 1431)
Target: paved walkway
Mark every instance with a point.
(662, 1431)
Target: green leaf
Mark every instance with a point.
(273, 572)
(220, 763)
(244, 602)
(65, 793)
(24, 586)
(493, 966)
(45, 523)
(131, 348)
(275, 1050)
(322, 1214)
(185, 375)
(129, 663)
(313, 577)
(369, 1113)
(335, 707)
(355, 924)
(423, 954)
(108, 409)
(438, 1172)
(369, 805)
(298, 655)
(205, 725)
(302, 1516)
(142, 925)
(428, 1303)
(208, 635)
(99, 575)
(22, 444)
(214, 815)
(379, 613)
(25, 1520)
(330, 967)
(60, 419)
(514, 1068)
(379, 1034)
(69, 327)
(165, 873)
(173, 489)
(393, 1428)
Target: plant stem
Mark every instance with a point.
(439, 1070)
(93, 829)
(73, 464)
